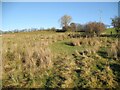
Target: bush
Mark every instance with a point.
(94, 28)
(116, 23)
(73, 27)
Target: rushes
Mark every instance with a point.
(23, 63)
(94, 73)
(86, 42)
(114, 50)
(63, 74)
(29, 63)
(42, 57)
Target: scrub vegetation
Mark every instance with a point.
(70, 59)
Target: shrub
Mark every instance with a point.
(116, 23)
(94, 28)
(73, 26)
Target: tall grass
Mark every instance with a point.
(56, 60)
(24, 63)
(114, 50)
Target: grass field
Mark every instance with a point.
(109, 30)
(47, 59)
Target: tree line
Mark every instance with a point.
(88, 28)
(67, 25)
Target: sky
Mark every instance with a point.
(20, 15)
(119, 8)
(0, 16)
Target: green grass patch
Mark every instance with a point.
(62, 47)
(109, 30)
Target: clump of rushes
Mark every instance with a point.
(26, 66)
(94, 73)
(114, 50)
(42, 57)
(64, 75)
(76, 43)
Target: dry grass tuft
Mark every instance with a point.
(114, 50)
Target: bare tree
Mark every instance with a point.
(65, 21)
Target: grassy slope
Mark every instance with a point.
(90, 69)
(61, 47)
(109, 30)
